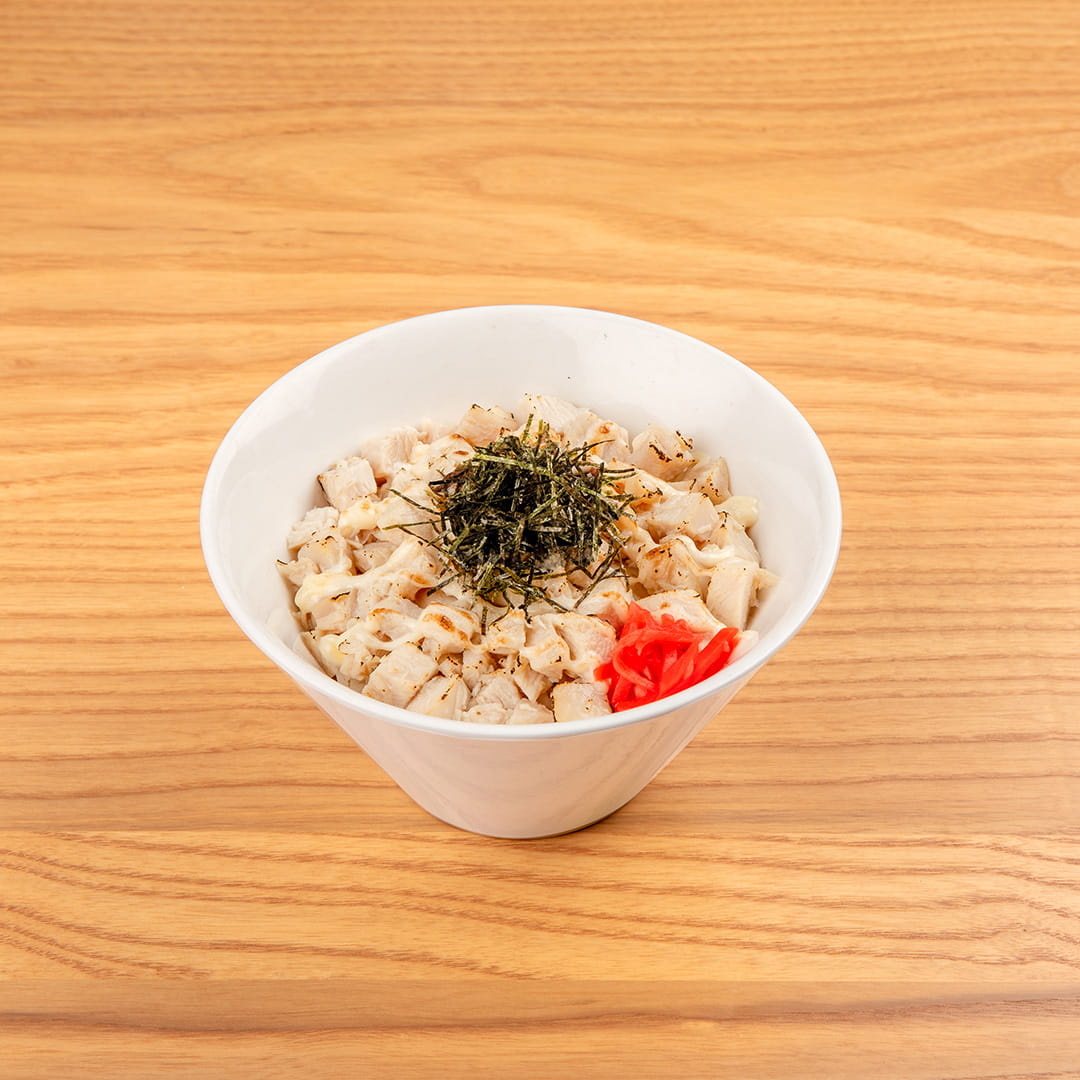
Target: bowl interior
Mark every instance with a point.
(435, 366)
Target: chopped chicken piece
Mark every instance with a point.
(387, 453)
(609, 441)
(411, 568)
(607, 600)
(442, 629)
(294, 572)
(663, 453)
(731, 589)
(579, 701)
(346, 481)
(491, 713)
(400, 674)
(327, 553)
(357, 641)
(499, 688)
(399, 513)
(373, 553)
(506, 634)
(744, 508)
(562, 591)
(356, 666)
(387, 626)
(763, 579)
(588, 641)
(636, 540)
(481, 426)
(687, 512)
(579, 427)
(314, 523)
(331, 614)
(561, 416)
(733, 539)
(686, 605)
(429, 430)
(451, 665)
(438, 459)
(711, 478)
(326, 648)
(441, 696)
(672, 564)
(454, 592)
(321, 586)
(362, 516)
(528, 712)
(643, 486)
(475, 663)
(383, 627)
(530, 682)
(361, 654)
(545, 651)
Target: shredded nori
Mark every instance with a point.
(526, 509)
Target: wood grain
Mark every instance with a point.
(429, 1029)
(205, 905)
(870, 865)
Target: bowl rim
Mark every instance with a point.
(319, 683)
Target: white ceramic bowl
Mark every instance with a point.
(532, 780)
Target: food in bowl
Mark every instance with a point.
(524, 567)
(517, 780)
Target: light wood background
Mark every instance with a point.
(871, 866)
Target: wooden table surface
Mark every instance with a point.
(870, 867)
